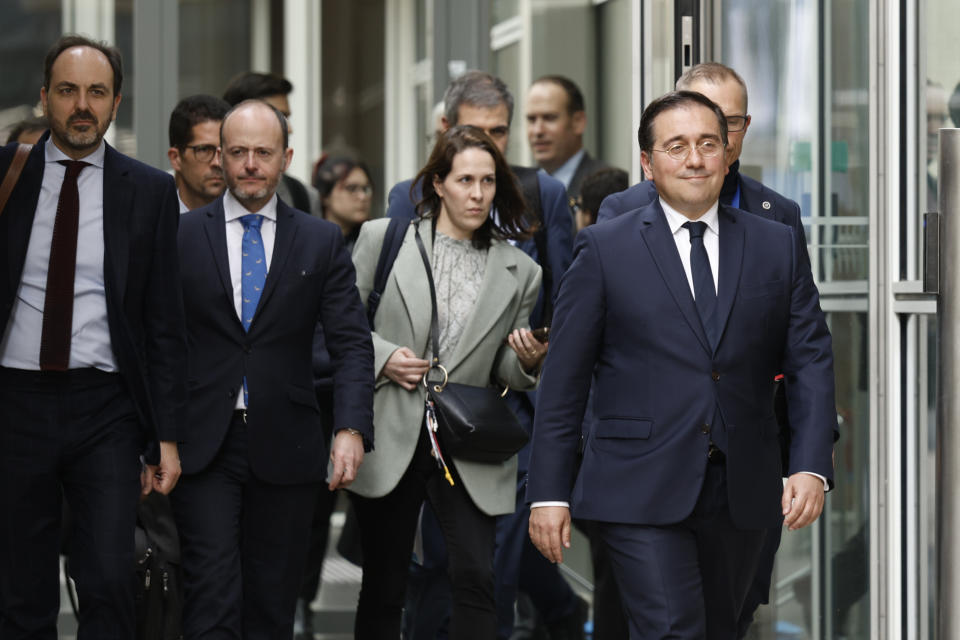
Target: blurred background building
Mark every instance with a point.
(846, 98)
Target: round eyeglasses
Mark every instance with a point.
(679, 152)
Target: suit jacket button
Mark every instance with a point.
(715, 375)
(705, 428)
(246, 348)
(232, 393)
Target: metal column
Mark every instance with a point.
(948, 392)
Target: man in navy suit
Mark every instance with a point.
(93, 354)
(683, 311)
(257, 276)
(726, 88)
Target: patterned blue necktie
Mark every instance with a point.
(253, 273)
(703, 287)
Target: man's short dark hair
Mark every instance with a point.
(574, 95)
(192, 111)
(598, 185)
(251, 85)
(30, 125)
(280, 118)
(73, 40)
(477, 89)
(668, 102)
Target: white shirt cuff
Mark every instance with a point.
(826, 485)
(550, 503)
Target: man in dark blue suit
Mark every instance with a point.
(480, 99)
(683, 311)
(93, 355)
(257, 276)
(726, 88)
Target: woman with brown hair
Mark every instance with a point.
(346, 192)
(485, 290)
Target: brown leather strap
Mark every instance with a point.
(13, 173)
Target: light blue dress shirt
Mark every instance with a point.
(564, 172)
(90, 333)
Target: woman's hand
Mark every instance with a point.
(530, 351)
(405, 368)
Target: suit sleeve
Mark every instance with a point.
(808, 369)
(507, 368)
(399, 202)
(164, 321)
(576, 339)
(610, 208)
(557, 217)
(348, 341)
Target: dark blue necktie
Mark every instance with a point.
(253, 267)
(703, 287)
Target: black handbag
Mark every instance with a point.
(472, 423)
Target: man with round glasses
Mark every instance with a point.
(681, 313)
(194, 150)
(727, 89)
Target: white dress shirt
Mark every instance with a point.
(565, 172)
(90, 332)
(232, 212)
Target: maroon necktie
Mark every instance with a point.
(58, 303)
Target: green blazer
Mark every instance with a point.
(509, 290)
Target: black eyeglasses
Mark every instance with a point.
(358, 189)
(736, 123)
(203, 152)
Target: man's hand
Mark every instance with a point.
(346, 454)
(802, 500)
(162, 477)
(405, 368)
(550, 531)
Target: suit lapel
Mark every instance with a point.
(118, 193)
(412, 283)
(753, 199)
(731, 263)
(497, 290)
(282, 245)
(20, 211)
(663, 248)
(214, 227)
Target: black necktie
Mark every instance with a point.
(703, 287)
(61, 272)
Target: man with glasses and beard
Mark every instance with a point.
(93, 354)
(194, 147)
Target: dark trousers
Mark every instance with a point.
(71, 435)
(243, 544)
(387, 530)
(688, 580)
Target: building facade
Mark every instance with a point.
(846, 98)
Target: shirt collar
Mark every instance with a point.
(676, 219)
(232, 209)
(52, 153)
(564, 172)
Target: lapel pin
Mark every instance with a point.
(766, 204)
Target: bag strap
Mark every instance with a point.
(392, 240)
(13, 173)
(434, 320)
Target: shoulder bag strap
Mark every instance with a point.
(434, 321)
(13, 173)
(392, 240)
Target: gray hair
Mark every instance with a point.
(711, 73)
(477, 89)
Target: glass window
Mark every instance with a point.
(808, 140)
(353, 90)
(204, 28)
(611, 111)
(26, 32)
(505, 64)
